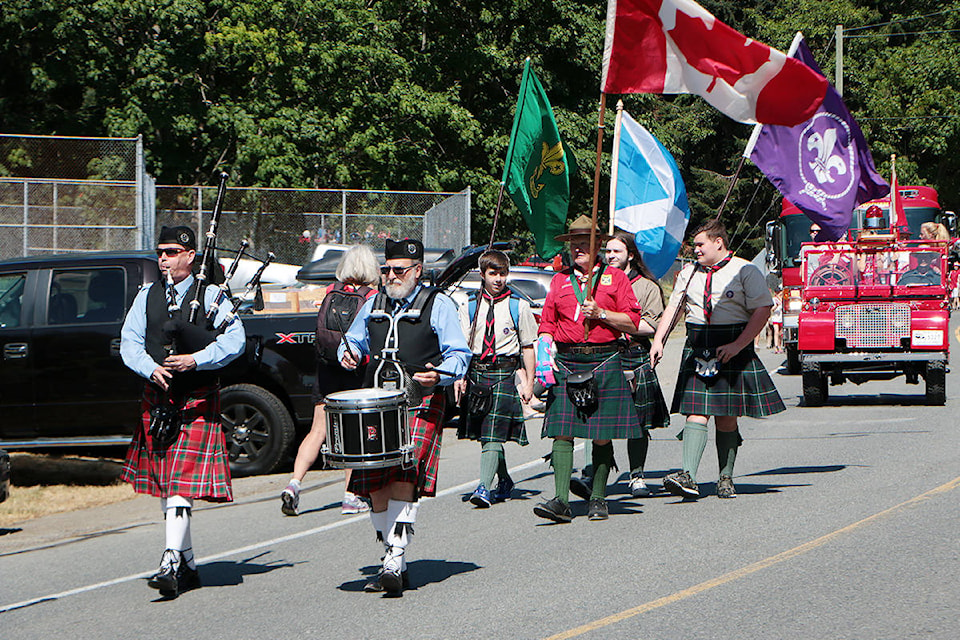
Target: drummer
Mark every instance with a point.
(587, 310)
(388, 326)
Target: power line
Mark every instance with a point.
(948, 117)
(884, 24)
(898, 33)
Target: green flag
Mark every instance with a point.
(537, 172)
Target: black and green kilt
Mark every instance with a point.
(741, 388)
(648, 398)
(615, 416)
(504, 422)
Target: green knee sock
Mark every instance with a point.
(602, 461)
(502, 472)
(637, 453)
(562, 461)
(727, 444)
(694, 442)
(489, 460)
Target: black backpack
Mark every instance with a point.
(334, 317)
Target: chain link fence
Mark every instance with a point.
(293, 223)
(61, 194)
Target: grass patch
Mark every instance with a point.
(42, 485)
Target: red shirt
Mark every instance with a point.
(613, 293)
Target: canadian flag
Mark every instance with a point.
(676, 46)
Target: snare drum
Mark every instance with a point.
(367, 429)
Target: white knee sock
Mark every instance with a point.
(402, 516)
(178, 512)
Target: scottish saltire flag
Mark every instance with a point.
(677, 46)
(823, 165)
(648, 197)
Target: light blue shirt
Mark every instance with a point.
(225, 348)
(444, 320)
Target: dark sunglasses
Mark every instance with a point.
(385, 270)
(170, 252)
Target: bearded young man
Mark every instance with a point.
(423, 326)
(727, 302)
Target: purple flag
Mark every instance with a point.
(823, 166)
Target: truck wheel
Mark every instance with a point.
(258, 429)
(814, 386)
(793, 359)
(936, 379)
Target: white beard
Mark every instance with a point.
(400, 291)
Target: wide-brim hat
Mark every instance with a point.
(580, 229)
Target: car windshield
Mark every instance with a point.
(845, 265)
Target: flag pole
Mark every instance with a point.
(614, 162)
(596, 185)
(733, 182)
(596, 204)
(524, 80)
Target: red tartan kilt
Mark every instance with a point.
(195, 466)
(426, 429)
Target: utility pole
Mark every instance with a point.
(838, 80)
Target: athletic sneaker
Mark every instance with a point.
(554, 509)
(481, 497)
(290, 499)
(681, 484)
(352, 503)
(597, 509)
(638, 488)
(725, 488)
(504, 490)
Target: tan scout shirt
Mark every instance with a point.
(737, 290)
(508, 342)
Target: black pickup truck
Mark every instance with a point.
(63, 384)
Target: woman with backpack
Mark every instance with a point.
(357, 273)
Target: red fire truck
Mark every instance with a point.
(874, 307)
(785, 236)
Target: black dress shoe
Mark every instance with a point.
(172, 582)
(165, 579)
(392, 582)
(376, 586)
(554, 509)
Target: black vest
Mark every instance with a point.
(162, 331)
(417, 342)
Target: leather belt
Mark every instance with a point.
(588, 349)
(502, 363)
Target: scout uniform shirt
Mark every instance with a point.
(563, 319)
(737, 290)
(509, 338)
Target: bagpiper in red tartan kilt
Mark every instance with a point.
(196, 465)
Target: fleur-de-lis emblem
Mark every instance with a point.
(551, 158)
(825, 160)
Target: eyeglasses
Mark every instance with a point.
(386, 269)
(170, 252)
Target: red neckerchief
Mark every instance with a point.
(489, 349)
(707, 302)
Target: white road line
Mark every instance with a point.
(253, 547)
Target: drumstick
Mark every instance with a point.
(417, 367)
(343, 338)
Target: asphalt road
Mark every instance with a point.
(845, 527)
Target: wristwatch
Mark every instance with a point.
(603, 314)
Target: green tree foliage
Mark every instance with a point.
(419, 94)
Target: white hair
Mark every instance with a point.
(359, 265)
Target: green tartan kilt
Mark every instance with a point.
(648, 398)
(615, 416)
(741, 388)
(504, 422)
